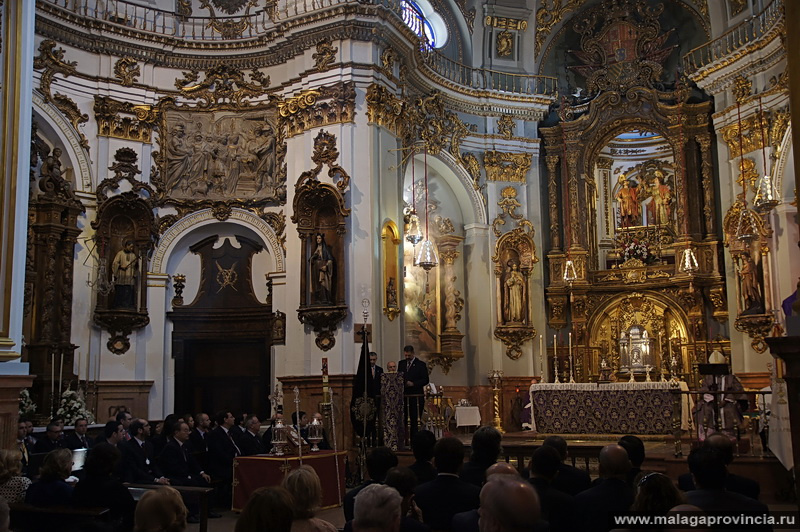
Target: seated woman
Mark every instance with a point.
(160, 510)
(305, 488)
(12, 484)
(52, 489)
(269, 508)
(100, 489)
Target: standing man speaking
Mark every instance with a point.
(416, 377)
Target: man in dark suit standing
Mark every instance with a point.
(249, 442)
(223, 447)
(138, 458)
(416, 377)
(374, 372)
(78, 439)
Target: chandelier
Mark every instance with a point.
(426, 256)
(766, 195)
(413, 233)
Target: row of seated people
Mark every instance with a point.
(447, 492)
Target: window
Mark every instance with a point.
(425, 22)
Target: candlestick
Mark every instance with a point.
(61, 375)
(543, 357)
(571, 361)
(52, 381)
(555, 360)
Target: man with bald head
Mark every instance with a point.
(612, 496)
(508, 504)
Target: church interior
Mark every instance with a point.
(575, 211)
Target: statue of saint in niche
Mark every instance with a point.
(514, 291)
(662, 199)
(322, 279)
(391, 294)
(124, 271)
(628, 204)
(751, 290)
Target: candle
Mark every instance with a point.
(78, 365)
(542, 358)
(52, 381)
(570, 344)
(60, 374)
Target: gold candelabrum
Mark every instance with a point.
(496, 379)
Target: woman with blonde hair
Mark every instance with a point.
(12, 484)
(160, 510)
(52, 488)
(267, 510)
(305, 488)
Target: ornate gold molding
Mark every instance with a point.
(51, 62)
(503, 166)
(506, 126)
(506, 23)
(384, 108)
(324, 56)
(110, 122)
(321, 107)
(757, 327)
(127, 70)
(504, 43)
(223, 84)
(754, 128)
(468, 13)
(548, 16)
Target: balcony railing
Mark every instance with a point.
(152, 22)
(747, 32)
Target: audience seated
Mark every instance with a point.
(12, 484)
(77, 439)
(422, 445)
(379, 461)
(52, 489)
(113, 433)
(267, 510)
(612, 496)
(485, 451)
(508, 504)
(708, 469)
(656, 494)
(99, 488)
(52, 439)
(635, 448)
(570, 479)
(300, 426)
(446, 495)
(378, 509)
(160, 510)
(266, 439)
(125, 419)
(223, 448)
(24, 447)
(304, 486)
(736, 483)
(249, 441)
(558, 508)
(138, 457)
(469, 521)
(161, 439)
(404, 481)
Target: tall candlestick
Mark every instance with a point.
(60, 374)
(52, 381)
(571, 363)
(555, 360)
(543, 356)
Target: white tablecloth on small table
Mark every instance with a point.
(468, 416)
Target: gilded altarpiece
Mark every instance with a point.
(625, 81)
(390, 243)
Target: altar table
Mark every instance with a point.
(253, 472)
(615, 408)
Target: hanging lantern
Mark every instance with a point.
(413, 232)
(747, 225)
(766, 198)
(426, 256)
(688, 263)
(570, 275)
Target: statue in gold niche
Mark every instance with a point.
(514, 288)
(662, 199)
(751, 290)
(628, 204)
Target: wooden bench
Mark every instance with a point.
(29, 518)
(137, 490)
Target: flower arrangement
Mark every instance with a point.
(27, 408)
(636, 249)
(73, 407)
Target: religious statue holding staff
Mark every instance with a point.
(751, 291)
(124, 270)
(628, 204)
(662, 199)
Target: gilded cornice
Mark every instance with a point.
(384, 108)
(110, 122)
(127, 70)
(335, 104)
(324, 56)
(501, 166)
(753, 131)
(549, 15)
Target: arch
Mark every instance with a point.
(785, 154)
(204, 217)
(56, 124)
(470, 201)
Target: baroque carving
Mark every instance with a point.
(468, 13)
(503, 166)
(549, 14)
(229, 28)
(277, 221)
(223, 84)
(111, 123)
(321, 107)
(506, 126)
(754, 132)
(504, 44)
(384, 108)
(324, 56)
(508, 206)
(127, 70)
(757, 327)
(51, 62)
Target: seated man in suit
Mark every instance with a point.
(485, 451)
(736, 483)
(113, 433)
(302, 425)
(379, 461)
(446, 495)
(78, 439)
(202, 424)
(558, 508)
(635, 448)
(138, 458)
(570, 479)
(611, 496)
(708, 469)
(508, 504)
(250, 442)
(52, 439)
(422, 445)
